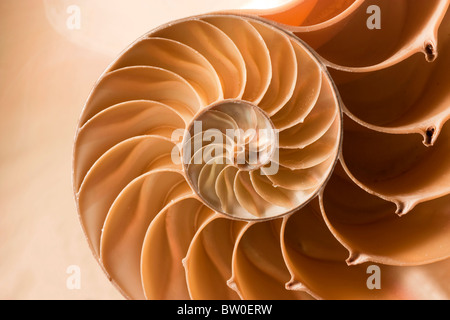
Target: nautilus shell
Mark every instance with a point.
(274, 154)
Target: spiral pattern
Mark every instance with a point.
(209, 161)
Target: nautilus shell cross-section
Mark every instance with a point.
(274, 154)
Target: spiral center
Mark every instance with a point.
(223, 140)
(231, 132)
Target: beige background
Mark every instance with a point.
(47, 71)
